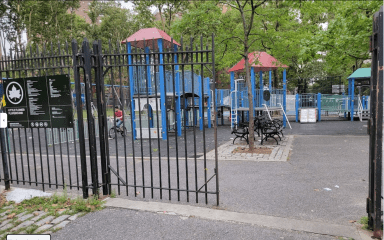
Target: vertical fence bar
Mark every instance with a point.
(80, 122)
(102, 116)
(202, 117)
(147, 89)
(90, 117)
(155, 80)
(4, 158)
(215, 123)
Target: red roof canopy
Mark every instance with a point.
(150, 34)
(261, 61)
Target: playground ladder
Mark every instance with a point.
(361, 112)
(233, 111)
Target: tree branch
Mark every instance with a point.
(232, 38)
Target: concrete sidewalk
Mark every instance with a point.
(316, 194)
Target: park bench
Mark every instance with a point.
(241, 131)
(271, 129)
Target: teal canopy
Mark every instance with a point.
(361, 73)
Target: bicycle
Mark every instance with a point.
(113, 131)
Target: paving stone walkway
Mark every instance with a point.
(279, 152)
(36, 222)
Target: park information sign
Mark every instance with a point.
(38, 102)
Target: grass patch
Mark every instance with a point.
(113, 194)
(364, 222)
(50, 205)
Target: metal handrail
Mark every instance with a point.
(360, 109)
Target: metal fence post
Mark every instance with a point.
(90, 117)
(375, 128)
(80, 122)
(102, 116)
(4, 157)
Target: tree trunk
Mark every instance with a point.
(250, 99)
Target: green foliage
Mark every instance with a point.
(168, 11)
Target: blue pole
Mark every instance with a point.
(149, 83)
(270, 81)
(284, 96)
(177, 90)
(297, 107)
(261, 89)
(352, 98)
(253, 84)
(232, 81)
(270, 85)
(216, 118)
(208, 103)
(164, 129)
(201, 103)
(132, 89)
(319, 105)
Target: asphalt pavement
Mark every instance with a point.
(324, 181)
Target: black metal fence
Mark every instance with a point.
(95, 154)
(324, 85)
(375, 128)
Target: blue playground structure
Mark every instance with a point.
(265, 98)
(348, 105)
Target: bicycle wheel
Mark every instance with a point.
(124, 132)
(112, 132)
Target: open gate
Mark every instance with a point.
(375, 128)
(159, 152)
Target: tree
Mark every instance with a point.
(247, 11)
(168, 10)
(346, 40)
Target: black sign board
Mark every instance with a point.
(38, 102)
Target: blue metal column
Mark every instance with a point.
(270, 86)
(149, 83)
(270, 81)
(216, 119)
(253, 84)
(319, 105)
(232, 81)
(132, 89)
(352, 98)
(363, 102)
(164, 129)
(232, 96)
(208, 102)
(261, 89)
(297, 107)
(284, 96)
(201, 103)
(177, 91)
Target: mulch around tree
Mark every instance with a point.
(261, 150)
